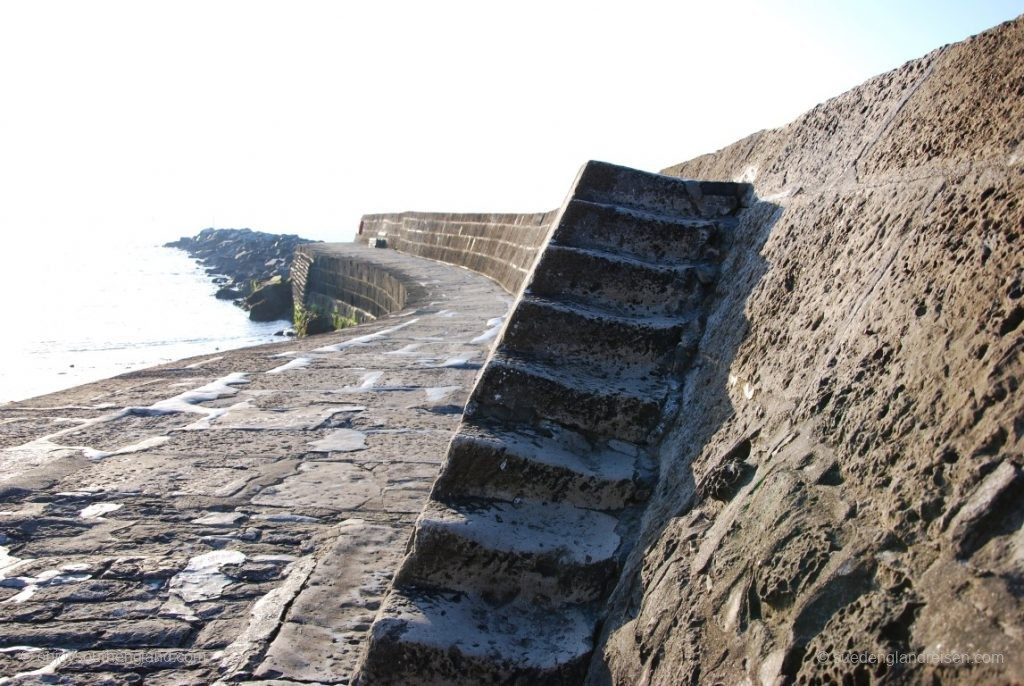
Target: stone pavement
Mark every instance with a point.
(237, 516)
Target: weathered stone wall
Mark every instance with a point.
(352, 286)
(845, 477)
(502, 247)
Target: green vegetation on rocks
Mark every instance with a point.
(309, 320)
(270, 300)
(340, 321)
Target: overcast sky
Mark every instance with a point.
(157, 119)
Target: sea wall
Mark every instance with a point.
(502, 247)
(352, 285)
(844, 485)
(232, 517)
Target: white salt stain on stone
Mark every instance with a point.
(22, 595)
(29, 584)
(405, 350)
(46, 670)
(285, 517)
(369, 380)
(297, 363)
(144, 444)
(225, 519)
(8, 563)
(451, 362)
(47, 444)
(455, 362)
(363, 340)
(493, 329)
(340, 441)
(446, 313)
(97, 510)
(213, 415)
(200, 363)
(188, 401)
(275, 558)
(202, 579)
(439, 393)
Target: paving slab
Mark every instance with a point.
(233, 516)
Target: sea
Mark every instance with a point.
(82, 310)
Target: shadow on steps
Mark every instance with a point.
(704, 406)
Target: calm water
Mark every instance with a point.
(85, 311)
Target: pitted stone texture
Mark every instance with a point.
(860, 373)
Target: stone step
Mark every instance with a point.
(620, 284)
(552, 330)
(651, 237)
(611, 184)
(555, 553)
(546, 463)
(433, 638)
(527, 391)
(515, 554)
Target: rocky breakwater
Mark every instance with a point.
(252, 268)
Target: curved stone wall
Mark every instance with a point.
(502, 247)
(355, 284)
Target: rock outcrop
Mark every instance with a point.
(271, 301)
(251, 267)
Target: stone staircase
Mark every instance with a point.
(521, 542)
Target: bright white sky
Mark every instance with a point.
(157, 119)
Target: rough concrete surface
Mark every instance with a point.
(235, 516)
(838, 498)
(842, 493)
